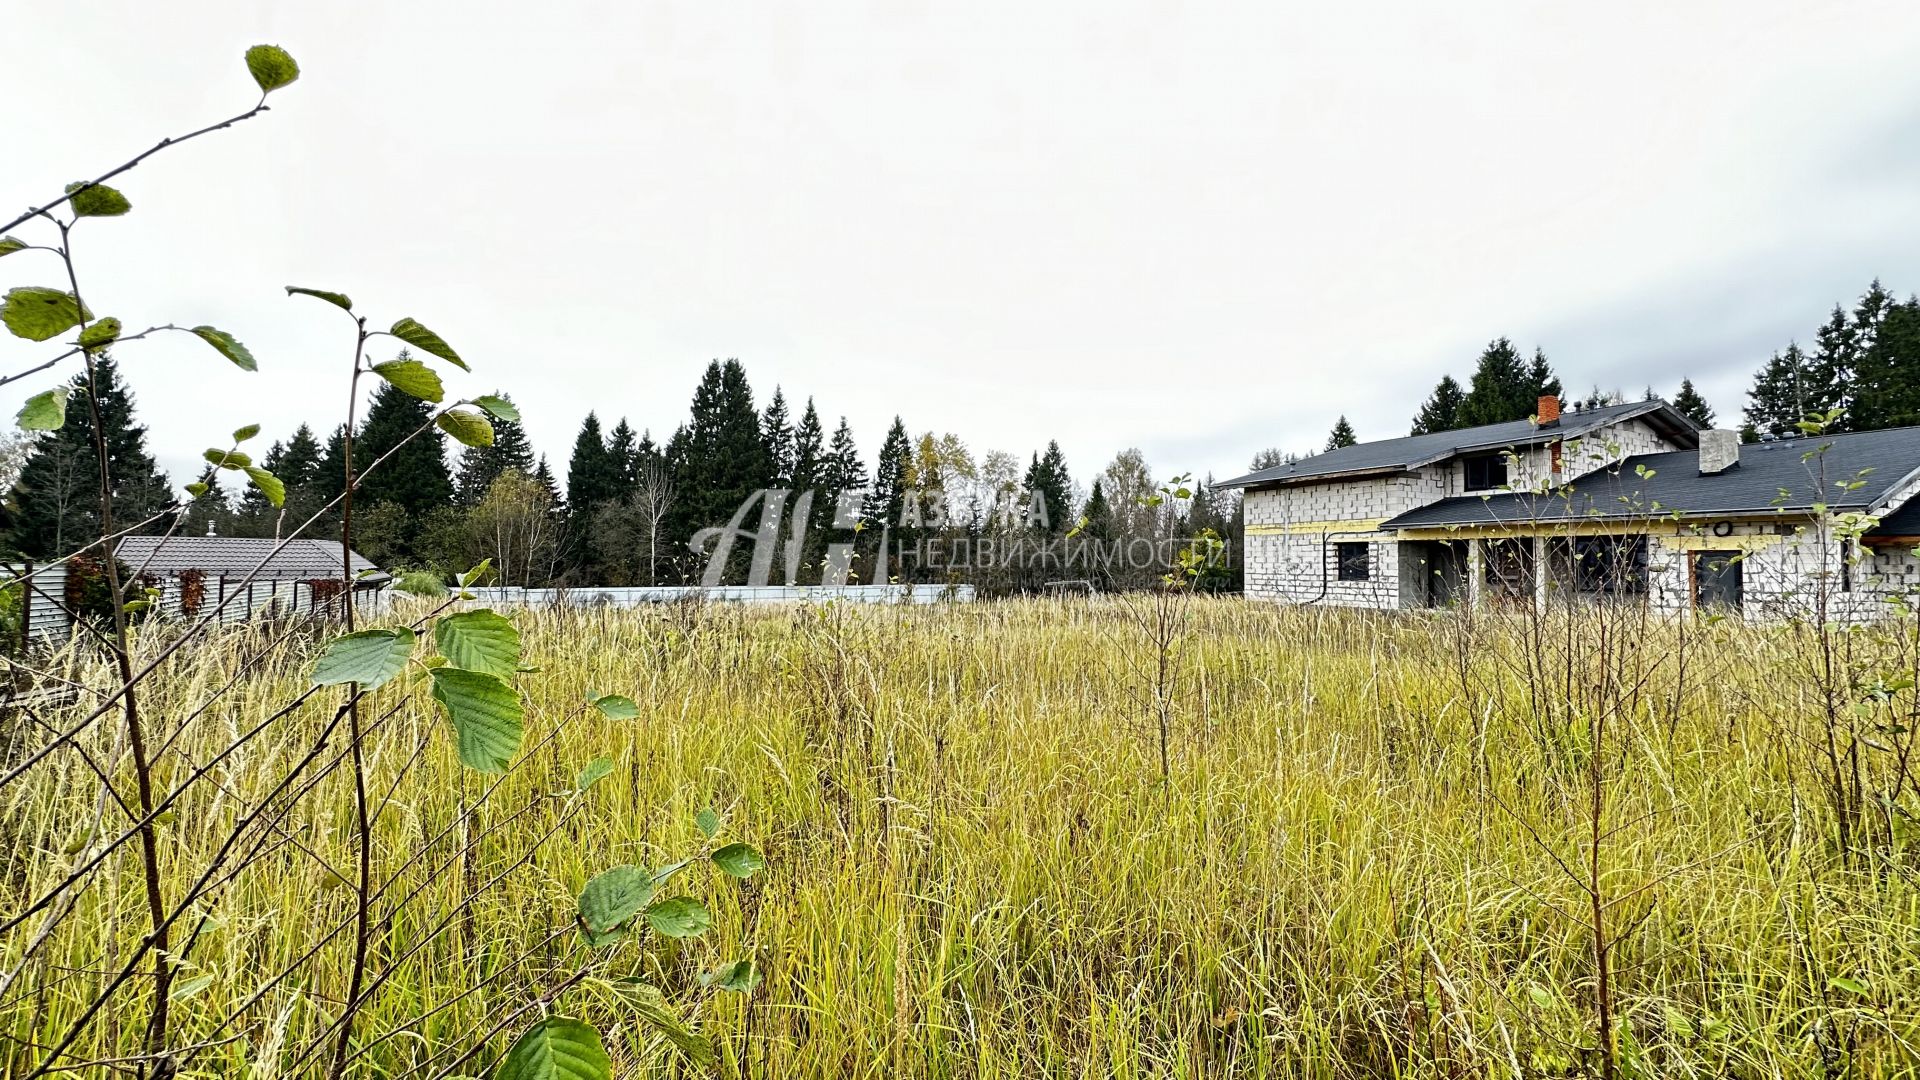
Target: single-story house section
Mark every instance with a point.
(193, 572)
(1626, 501)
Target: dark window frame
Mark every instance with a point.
(1611, 565)
(1728, 582)
(1353, 560)
(1492, 470)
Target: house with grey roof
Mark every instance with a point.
(239, 558)
(1622, 502)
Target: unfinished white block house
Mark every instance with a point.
(1625, 502)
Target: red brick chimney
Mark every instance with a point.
(1548, 412)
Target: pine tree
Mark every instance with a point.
(330, 479)
(1504, 387)
(1777, 401)
(777, 436)
(480, 466)
(415, 478)
(1441, 411)
(1692, 406)
(543, 476)
(55, 504)
(1342, 435)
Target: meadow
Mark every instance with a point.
(1062, 838)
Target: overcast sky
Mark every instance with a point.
(1196, 229)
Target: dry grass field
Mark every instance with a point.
(1378, 847)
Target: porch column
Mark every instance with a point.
(1476, 575)
(1540, 574)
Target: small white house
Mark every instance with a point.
(1625, 501)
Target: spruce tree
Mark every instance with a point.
(623, 456)
(1778, 400)
(777, 436)
(1098, 515)
(1048, 480)
(1342, 435)
(415, 478)
(1889, 374)
(1545, 382)
(1504, 387)
(480, 466)
(808, 453)
(55, 504)
(330, 479)
(1441, 411)
(891, 478)
(718, 460)
(841, 470)
(1692, 406)
(592, 476)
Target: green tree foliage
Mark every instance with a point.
(623, 457)
(809, 451)
(1692, 406)
(1048, 480)
(480, 466)
(891, 478)
(1098, 514)
(718, 459)
(1441, 410)
(1888, 380)
(55, 504)
(1779, 398)
(415, 478)
(1505, 386)
(777, 434)
(1342, 435)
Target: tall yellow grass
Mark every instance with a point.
(976, 870)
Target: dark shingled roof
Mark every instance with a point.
(303, 559)
(1414, 451)
(1786, 476)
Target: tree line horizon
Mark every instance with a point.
(628, 506)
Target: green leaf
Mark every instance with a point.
(480, 640)
(739, 860)
(226, 345)
(500, 407)
(467, 427)
(597, 770)
(227, 459)
(612, 899)
(1850, 985)
(421, 338)
(651, 1005)
(680, 917)
(9, 245)
(45, 411)
(740, 977)
(338, 300)
(197, 489)
(268, 485)
(617, 707)
(186, 988)
(272, 67)
(707, 822)
(241, 435)
(476, 573)
(367, 657)
(486, 713)
(412, 378)
(37, 313)
(557, 1048)
(96, 200)
(100, 334)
